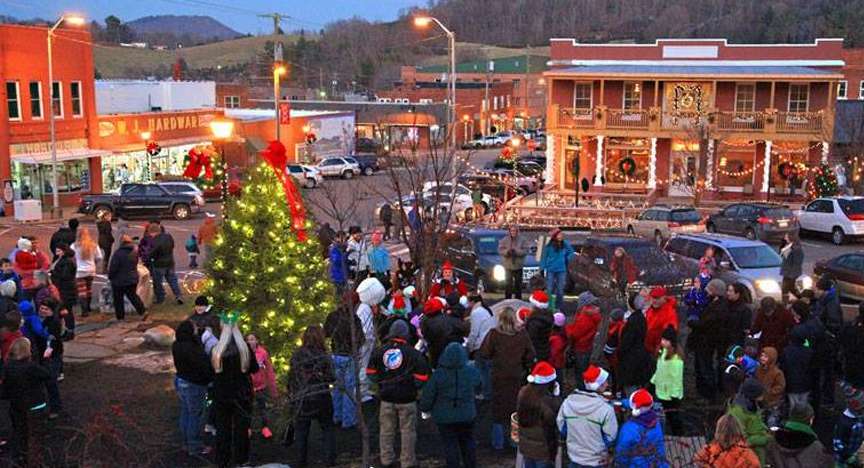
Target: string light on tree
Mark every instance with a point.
(824, 182)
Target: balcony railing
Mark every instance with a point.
(740, 121)
(580, 118)
(799, 122)
(629, 118)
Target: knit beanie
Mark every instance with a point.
(752, 389)
(8, 288)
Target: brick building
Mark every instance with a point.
(852, 85)
(680, 115)
(233, 96)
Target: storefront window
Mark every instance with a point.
(788, 167)
(627, 161)
(34, 180)
(122, 168)
(571, 153)
(735, 166)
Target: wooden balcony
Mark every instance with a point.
(636, 119)
(576, 118)
(799, 122)
(739, 121)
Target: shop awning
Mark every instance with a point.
(62, 155)
(162, 143)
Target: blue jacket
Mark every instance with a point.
(556, 260)
(338, 265)
(32, 328)
(379, 259)
(12, 275)
(449, 394)
(696, 300)
(640, 443)
(827, 308)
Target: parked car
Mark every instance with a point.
(764, 221)
(847, 270)
(752, 263)
(526, 183)
(187, 188)
(589, 269)
(368, 163)
(462, 193)
(538, 159)
(307, 176)
(368, 145)
(492, 186)
(841, 217)
(143, 200)
(459, 211)
(338, 167)
(660, 222)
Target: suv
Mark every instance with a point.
(750, 262)
(660, 222)
(308, 176)
(461, 192)
(763, 221)
(842, 217)
(589, 269)
(187, 188)
(367, 145)
(368, 163)
(141, 200)
(345, 168)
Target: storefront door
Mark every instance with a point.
(682, 168)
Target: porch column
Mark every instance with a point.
(598, 169)
(766, 167)
(825, 147)
(652, 165)
(549, 173)
(709, 166)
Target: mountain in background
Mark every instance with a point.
(197, 28)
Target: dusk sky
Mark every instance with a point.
(239, 15)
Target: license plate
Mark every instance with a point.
(528, 273)
(783, 224)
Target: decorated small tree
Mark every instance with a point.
(266, 269)
(824, 182)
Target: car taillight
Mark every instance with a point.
(856, 217)
(763, 220)
(673, 225)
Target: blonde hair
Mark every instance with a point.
(230, 332)
(20, 350)
(728, 432)
(85, 245)
(507, 321)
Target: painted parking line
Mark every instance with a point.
(810, 244)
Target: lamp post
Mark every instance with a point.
(423, 22)
(73, 20)
(145, 136)
(279, 70)
(223, 130)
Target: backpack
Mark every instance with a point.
(191, 244)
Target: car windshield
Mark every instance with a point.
(778, 212)
(178, 188)
(756, 256)
(851, 206)
(646, 256)
(685, 215)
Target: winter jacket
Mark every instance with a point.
(123, 270)
(12, 275)
(53, 327)
(145, 248)
(797, 446)
(106, 236)
(64, 235)
(357, 254)
(512, 252)
(736, 456)
(816, 338)
(635, 363)
(847, 439)
(752, 426)
(772, 379)
(449, 394)
(658, 320)
(796, 363)
(558, 349)
(26, 264)
(539, 441)
(23, 383)
(383, 329)
(232, 384)
(203, 320)
(734, 326)
(640, 443)
(7, 341)
(264, 380)
(379, 259)
(439, 330)
(442, 288)
(555, 260)
(696, 300)
(63, 276)
(622, 269)
(86, 266)
(581, 331)
(162, 255)
(338, 265)
(587, 422)
(851, 344)
(775, 327)
(482, 322)
(190, 360)
(399, 370)
(309, 379)
(7, 304)
(668, 379)
(704, 334)
(827, 308)
(32, 324)
(511, 357)
(338, 328)
(793, 261)
(539, 327)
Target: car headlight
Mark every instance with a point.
(499, 274)
(804, 282)
(768, 286)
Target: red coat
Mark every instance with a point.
(444, 291)
(658, 320)
(624, 267)
(557, 347)
(581, 332)
(26, 263)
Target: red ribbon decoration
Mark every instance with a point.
(199, 160)
(276, 156)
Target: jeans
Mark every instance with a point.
(401, 416)
(532, 463)
(54, 365)
(344, 412)
(706, 374)
(365, 382)
(130, 292)
(302, 424)
(459, 435)
(513, 284)
(555, 283)
(192, 397)
(233, 418)
(484, 366)
(85, 292)
(160, 275)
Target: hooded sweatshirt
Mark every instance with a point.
(658, 320)
(797, 446)
(588, 423)
(265, 379)
(772, 378)
(449, 393)
(747, 414)
(640, 443)
(796, 363)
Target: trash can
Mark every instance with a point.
(28, 210)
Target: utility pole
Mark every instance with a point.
(487, 111)
(277, 20)
(526, 100)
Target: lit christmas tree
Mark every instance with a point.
(259, 268)
(824, 182)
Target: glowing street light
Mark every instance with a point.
(279, 70)
(425, 22)
(145, 136)
(222, 129)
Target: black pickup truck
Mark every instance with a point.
(141, 200)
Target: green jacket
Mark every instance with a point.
(754, 429)
(668, 379)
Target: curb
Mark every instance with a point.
(11, 223)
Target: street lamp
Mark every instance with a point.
(72, 20)
(279, 71)
(145, 137)
(223, 131)
(424, 22)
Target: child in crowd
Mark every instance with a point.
(795, 364)
(708, 264)
(849, 430)
(738, 367)
(22, 387)
(696, 299)
(50, 352)
(771, 377)
(668, 379)
(7, 272)
(558, 344)
(193, 250)
(263, 382)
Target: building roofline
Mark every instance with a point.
(702, 62)
(725, 42)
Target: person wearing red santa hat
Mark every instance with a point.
(539, 324)
(640, 442)
(536, 410)
(587, 421)
(662, 314)
(448, 283)
(439, 328)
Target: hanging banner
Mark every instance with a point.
(284, 113)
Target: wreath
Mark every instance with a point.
(627, 166)
(785, 170)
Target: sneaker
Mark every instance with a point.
(266, 432)
(60, 377)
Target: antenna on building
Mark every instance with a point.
(277, 21)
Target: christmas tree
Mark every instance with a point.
(824, 182)
(278, 284)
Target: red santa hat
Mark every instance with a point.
(640, 401)
(540, 299)
(594, 378)
(398, 304)
(434, 305)
(447, 266)
(543, 373)
(522, 315)
(658, 292)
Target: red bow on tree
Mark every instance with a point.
(276, 156)
(198, 160)
(153, 148)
